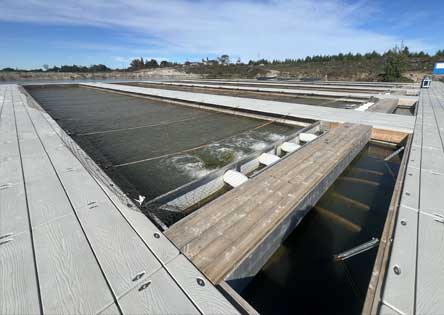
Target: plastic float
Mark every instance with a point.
(234, 178)
(307, 137)
(289, 147)
(268, 159)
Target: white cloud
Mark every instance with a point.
(248, 29)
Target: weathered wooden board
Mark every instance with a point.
(220, 235)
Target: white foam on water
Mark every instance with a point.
(191, 165)
(275, 137)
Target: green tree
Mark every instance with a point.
(224, 59)
(394, 65)
(137, 64)
(151, 64)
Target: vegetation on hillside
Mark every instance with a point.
(64, 68)
(392, 65)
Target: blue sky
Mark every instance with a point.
(55, 32)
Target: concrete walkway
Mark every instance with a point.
(377, 120)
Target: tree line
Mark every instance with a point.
(349, 57)
(394, 59)
(139, 64)
(64, 68)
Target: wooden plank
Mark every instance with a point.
(243, 195)
(270, 184)
(119, 250)
(157, 294)
(204, 295)
(220, 235)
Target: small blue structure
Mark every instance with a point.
(439, 68)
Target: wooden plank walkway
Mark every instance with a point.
(68, 244)
(233, 236)
(414, 282)
(382, 121)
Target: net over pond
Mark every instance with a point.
(150, 147)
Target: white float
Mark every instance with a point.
(307, 137)
(289, 147)
(268, 159)
(234, 178)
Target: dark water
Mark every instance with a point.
(150, 147)
(302, 277)
(405, 111)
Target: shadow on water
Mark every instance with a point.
(302, 276)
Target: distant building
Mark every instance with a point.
(210, 62)
(439, 68)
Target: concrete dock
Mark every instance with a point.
(232, 237)
(69, 244)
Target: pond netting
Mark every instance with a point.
(150, 147)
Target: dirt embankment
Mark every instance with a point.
(163, 73)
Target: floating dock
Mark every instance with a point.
(68, 245)
(290, 90)
(383, 121)
(409, 278)
(232, 237)
(72, 242)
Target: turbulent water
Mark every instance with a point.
(150, 147)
